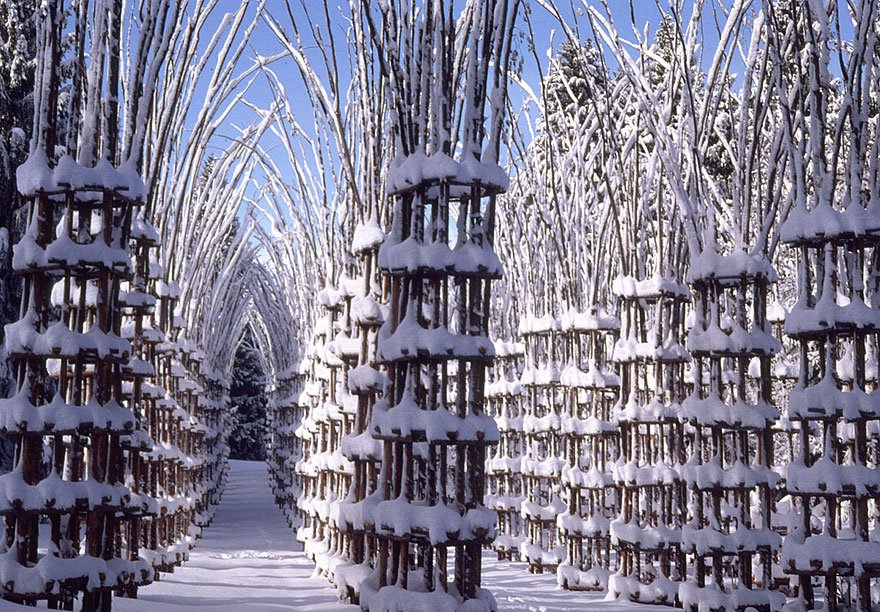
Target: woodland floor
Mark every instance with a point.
(250, 561)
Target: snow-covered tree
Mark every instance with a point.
(247, 400)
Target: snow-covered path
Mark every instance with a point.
(249, 560)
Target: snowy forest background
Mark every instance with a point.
(649, 299)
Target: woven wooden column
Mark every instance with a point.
(217, 422)
(73, 257)
(307, 432)
(431, 421)
(365, 382)
(504, 486)
(341, 409)
(728, 473)
(283, 447)
(652, 362)
(542, 464)
(589, 446)
(325, 474)
(139, 303)
(834, 477)
(784, 371)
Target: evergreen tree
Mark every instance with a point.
(576, 76)
(17, 62)
(249, 402)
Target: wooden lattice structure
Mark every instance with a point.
(589, 444)
(108, 381)
(436, 348)
(341, 409)
(785, 371)
(192, 433)
(728, 473)
(175, 455)
(70, 391)
(652, 362)
(324, 474)
(307, 430)
(504, 488)
(138, 303)
(283, 447)
(304, 475)
(365, 383)
(541, 464)
(834, 478)
(217, 421)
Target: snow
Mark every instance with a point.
(830, 551)
(35, 176)
(654, 287)
(712, 410)
(365, 379)
(26, 253)
(825, 476)
(711, 597)
(63, 250)
(248, 560)
(411, 339)
(517, 590)
(709, 264)
(367, 236)
(412, 257)
(142, 229)
(59, 341)
(824, 222)
(50, 569)
(733, 341)
(167, 289)
(440, 523)
(533, 324)
(593, 378)
(825, 399)
(414, 169)
(629, 349)
(407, 418)
(58, 494)
(367, 311)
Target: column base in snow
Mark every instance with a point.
(389, 598)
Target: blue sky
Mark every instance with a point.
(547, 33)
(546, 28)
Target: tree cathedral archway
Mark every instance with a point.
(627, 335)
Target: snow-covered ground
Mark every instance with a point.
(249, 560)
(515, 589)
